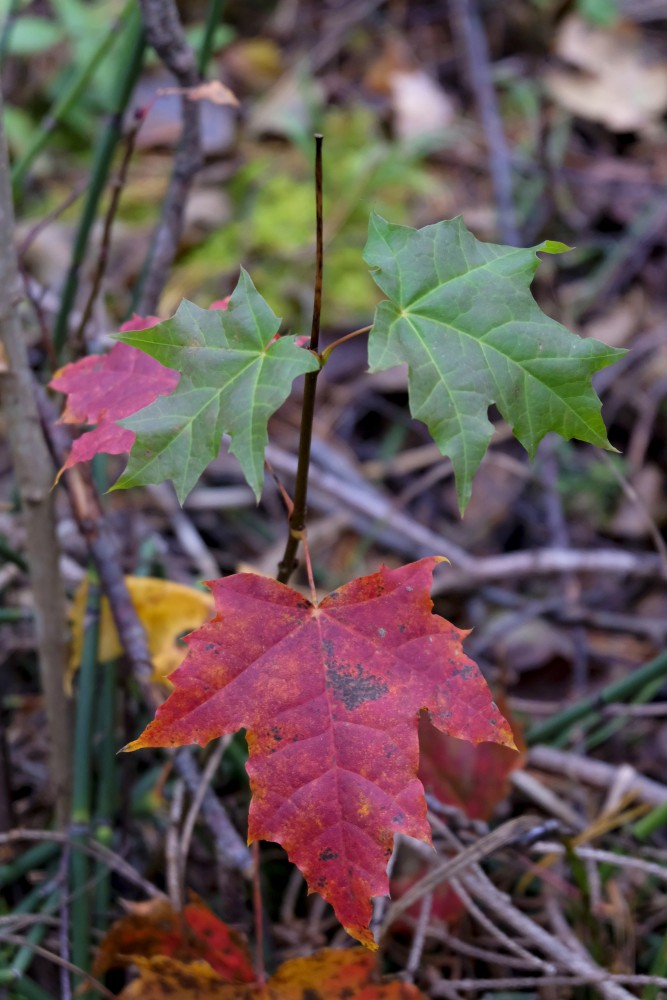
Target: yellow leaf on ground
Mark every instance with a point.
(167, 611)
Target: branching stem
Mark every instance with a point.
(341, 340)
(297, 520)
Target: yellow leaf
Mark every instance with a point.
(167, 611)
(162, 978)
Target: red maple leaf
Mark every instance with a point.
(330, 696)
(104, 388)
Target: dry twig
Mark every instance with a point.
(34, 475)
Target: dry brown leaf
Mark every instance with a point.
(213, 91)
(617, 79)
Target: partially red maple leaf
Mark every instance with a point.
(330, 697)
(103, 388)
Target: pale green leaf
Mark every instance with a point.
(232, 380)
(461, 315)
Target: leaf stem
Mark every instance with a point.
(297, 519)
(309, 570)
(79, 337)
(341, 340)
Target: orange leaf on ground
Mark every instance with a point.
(332, 974)
(330, 697)
(153, 928)
(163, 978)
(329, 974)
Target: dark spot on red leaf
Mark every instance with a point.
(352, 686)
(327, 854)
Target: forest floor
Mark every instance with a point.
(535, 120)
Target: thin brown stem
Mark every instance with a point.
(341, 340)
(103, 256)
(33, 471)
(309, 569)
(297, 519)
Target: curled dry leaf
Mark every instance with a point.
(213, 91)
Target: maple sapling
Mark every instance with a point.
(330, 692)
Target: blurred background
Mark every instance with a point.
(536, 119)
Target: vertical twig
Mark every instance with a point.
(130, 60)
(165, 33)
(83, 781)
(231, 852)
(63, 930)
(213, 18)
(258, 909)
(297, 519)
(78, 338)
(469, 28)
(106, 786)
(34, 474)
(172, 850)
(71, 94)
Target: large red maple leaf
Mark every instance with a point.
(330, 696)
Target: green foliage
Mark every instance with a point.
(234, 376)
(599, 12)
(272, 227)
(460, 314)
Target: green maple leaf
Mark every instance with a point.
(233, 378)
(461, 315)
